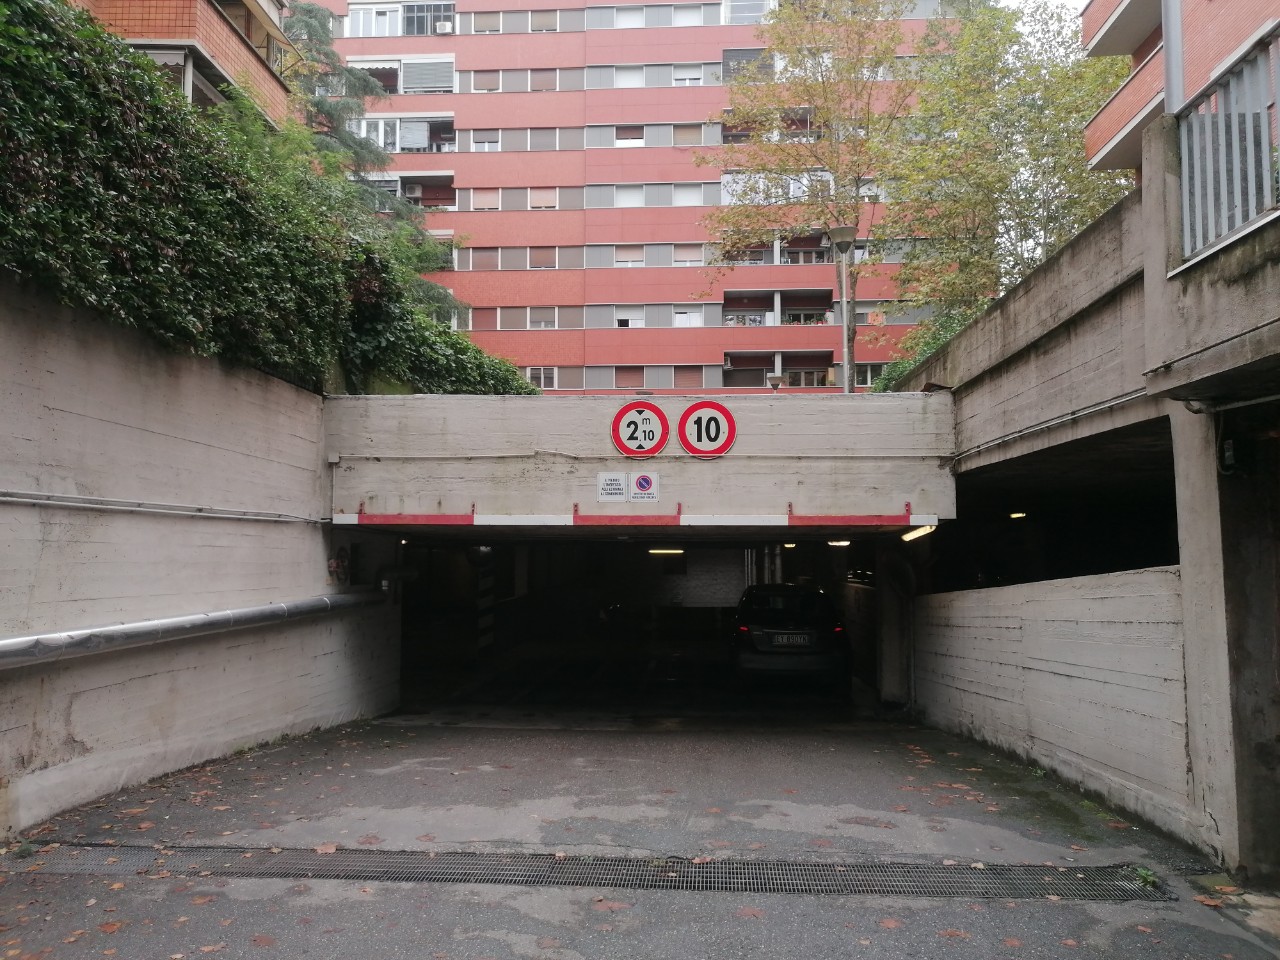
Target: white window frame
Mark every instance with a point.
(690, 79)
(628, 316)
(631, 72)
(628, 17)
(631, 261)
(555, 199)
(807, 378)
(539, 378)
(863, 373)
(620, 141)
(542, 325)
(678, 261)
(359, 18)
(685, 192)
(683, 315)
(365, 125)
(486, 146)
(631, 193)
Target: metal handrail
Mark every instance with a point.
(48, 647)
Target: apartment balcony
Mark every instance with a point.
(1113, 137)
(209, 45)
(1117, 27)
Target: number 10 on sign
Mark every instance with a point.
(707, 429)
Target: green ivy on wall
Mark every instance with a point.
(199, 228)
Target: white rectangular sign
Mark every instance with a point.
(611, 488)
(642, 487)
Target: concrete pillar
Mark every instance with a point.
(1211, 750)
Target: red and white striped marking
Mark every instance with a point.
(677, 519)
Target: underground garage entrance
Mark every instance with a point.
(637, 627)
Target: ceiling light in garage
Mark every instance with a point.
(918, 532)
(1016, 516)
(837, 543)
(789, 546)
(666, 550)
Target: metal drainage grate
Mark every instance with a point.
(1003, 881)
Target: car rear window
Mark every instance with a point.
(798, 604)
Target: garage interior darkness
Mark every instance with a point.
(625, 624)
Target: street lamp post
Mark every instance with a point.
(843, 238)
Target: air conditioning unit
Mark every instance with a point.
(444, 27)
(413, 189)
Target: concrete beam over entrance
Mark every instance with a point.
(535, 464)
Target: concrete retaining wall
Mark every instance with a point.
(1084, 676)
(93, 413)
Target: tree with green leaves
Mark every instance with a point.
(994, 178)
(330, 95)
(810, 123)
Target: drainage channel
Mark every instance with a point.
(868, 878)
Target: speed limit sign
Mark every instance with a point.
(640, 429)
(707, 429)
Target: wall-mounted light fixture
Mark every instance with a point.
(918, 532)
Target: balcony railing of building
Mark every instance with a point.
(1229, 141)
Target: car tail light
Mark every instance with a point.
(744, 629)
(839, 629)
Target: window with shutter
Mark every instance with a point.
(484, 141)
(542, 258)
(426, 76)
(751, 63)
(628, 377)
(628, 76)
(485, 198)
(486, 23)
(486, 81)
(628, 255)
(687, 255)
(415, 136)
(542, 198)
(688, 378)
(687, 134)
(542, 318)
(542, 80)
(544, 21)
(484, 258)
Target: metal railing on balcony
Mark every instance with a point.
(1229, 142)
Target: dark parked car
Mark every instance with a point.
(790, 628)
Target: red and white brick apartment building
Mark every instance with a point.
(1180, 50)
(559, 137)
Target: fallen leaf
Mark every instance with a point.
(111, 926)
(326, 848)
(714, 810)
(133, 811)
(956, 934)
(901, 808)
(949, 863)
(1076, 846)
(1011, 942)
(1117, 825)
(370, 840)
(1208, 901)
(750, 913)
(889, 923)
(821, 842)
(116, 886)
(1069, 943)
(427, 837)
(223, 807)
(200, 901)
(609, 906)
(1052, 896)
(702, 860)
(978, 866)
(561, 855)
(262, 940)
(1227, 889)
(549, 943)
(1142, 929)
(214, 948)
(144, 825)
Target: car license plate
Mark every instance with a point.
(791, 640)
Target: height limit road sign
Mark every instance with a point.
(707, 429)
(640, 429)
